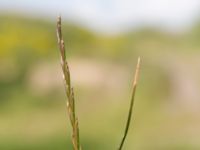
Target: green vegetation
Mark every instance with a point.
(32, 98)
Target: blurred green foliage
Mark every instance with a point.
(37, 121)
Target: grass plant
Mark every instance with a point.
(68, 89)
(70, 93)
(131, 105)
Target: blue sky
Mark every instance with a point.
(112, 15)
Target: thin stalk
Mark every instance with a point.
(68, 88)
(131, 104)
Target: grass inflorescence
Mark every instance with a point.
(68, 89)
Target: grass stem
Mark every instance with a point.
(131, 104)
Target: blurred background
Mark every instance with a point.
(103, 40)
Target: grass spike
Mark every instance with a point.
(68, 88)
